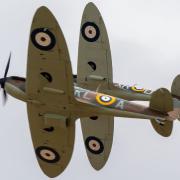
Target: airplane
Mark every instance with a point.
(56, 98)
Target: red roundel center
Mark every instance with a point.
(90, 31)
(47, 154)
(94, 145)
(43, 39)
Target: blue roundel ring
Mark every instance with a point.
(90, 31)
(94, 145)
(47, 154)
(43, 39)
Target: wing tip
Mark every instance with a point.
(98, 166)
(91, 7)
(90, 4)
(42, 10)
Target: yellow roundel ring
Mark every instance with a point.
(105, 100)
(134, 88)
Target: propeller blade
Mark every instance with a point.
(3, 80)
(4, 97)
(7, 66)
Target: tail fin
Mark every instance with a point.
(161, 100)
(175, 90)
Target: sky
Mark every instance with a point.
(145, 44)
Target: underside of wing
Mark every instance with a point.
(95, 71)
(49, 89)
(53, 140)
(94, 57)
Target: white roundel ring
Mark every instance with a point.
(94, 145)
(43, 39)
(47, 154)
(90, 31)
(136, 89)
(105, 99)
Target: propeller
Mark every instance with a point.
(3, 80)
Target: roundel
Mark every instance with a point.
(43, 39)
(90, 31)
(94, 145)
(136, 89)
(105, 99)
(47, 154)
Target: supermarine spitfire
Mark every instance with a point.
(56, 98)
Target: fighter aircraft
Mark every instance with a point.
(56, 98)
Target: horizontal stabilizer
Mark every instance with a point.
(162, 128)
(161, 100)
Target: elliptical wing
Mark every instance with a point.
(49, 89)
(94, 71)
